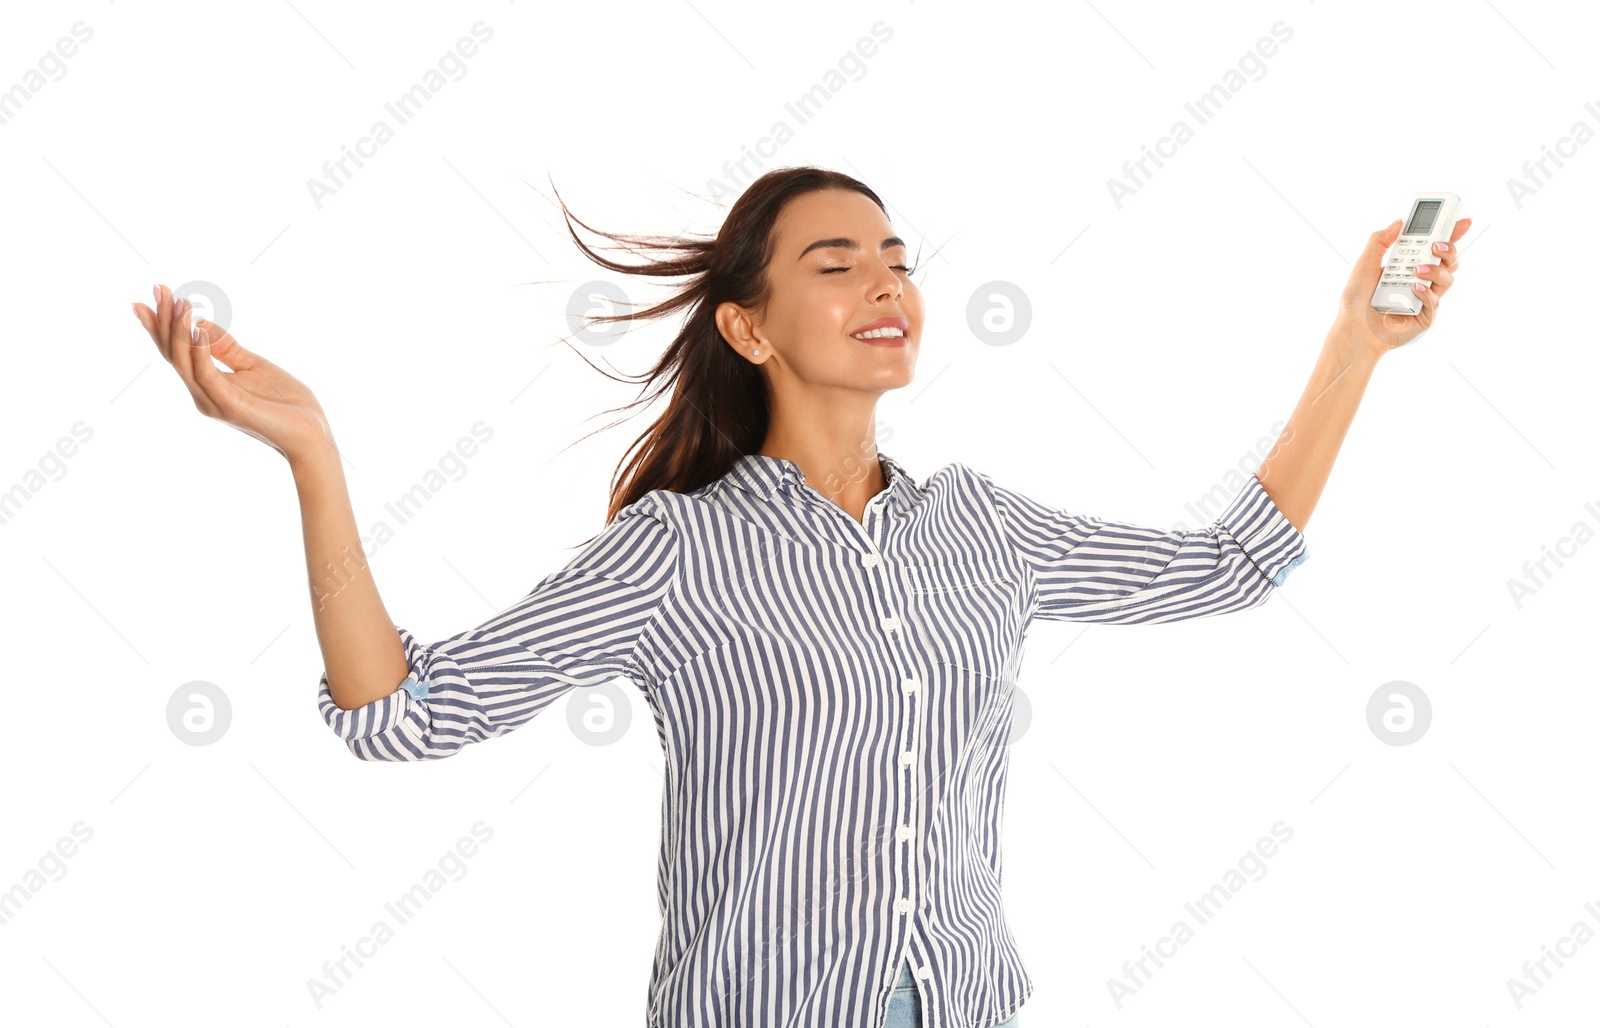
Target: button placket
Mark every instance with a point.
(910, 683)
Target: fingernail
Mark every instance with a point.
(1421, 287)
(1443, 247)
(157, 291)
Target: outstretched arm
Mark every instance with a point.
(1084, 568)
(1297, 468)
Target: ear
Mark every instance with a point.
(738, 329)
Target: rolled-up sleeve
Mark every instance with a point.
(1090, 569)
(581, 625)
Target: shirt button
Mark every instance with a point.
(907, 757)
(869, 560)
(903, 832)
(890, 623)
(909, 685)
(924, 972)
(903, 905)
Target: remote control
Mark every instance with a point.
(1432, 220)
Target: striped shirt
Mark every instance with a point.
(833, 701)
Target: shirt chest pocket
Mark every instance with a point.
(965, 615)
(925, 579)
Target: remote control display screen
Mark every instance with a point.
(1422, 218)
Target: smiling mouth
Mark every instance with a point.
(882, 337)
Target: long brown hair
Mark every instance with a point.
(719, 407)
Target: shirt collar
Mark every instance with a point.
(762, 475)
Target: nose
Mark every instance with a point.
(889, 286)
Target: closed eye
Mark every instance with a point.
(897, 267)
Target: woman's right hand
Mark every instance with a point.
(258, 398)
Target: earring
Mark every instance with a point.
(756, 352)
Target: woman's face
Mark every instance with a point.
(836, 268)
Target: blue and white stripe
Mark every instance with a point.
(833, 700)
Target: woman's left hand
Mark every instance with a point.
(1379, 333)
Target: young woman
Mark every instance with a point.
(826, 642)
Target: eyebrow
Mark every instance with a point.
(841, 242)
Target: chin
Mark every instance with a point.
(897, 378)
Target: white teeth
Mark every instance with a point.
(879, 333)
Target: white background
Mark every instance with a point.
(1169, 336)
